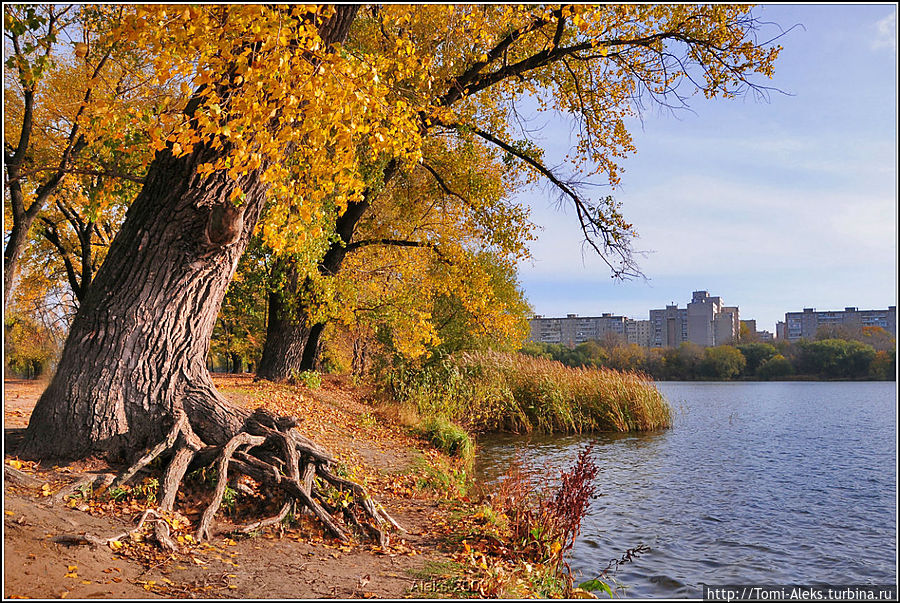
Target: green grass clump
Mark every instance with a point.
(443, 476)
(449, 438)
(488, 391)
(310, 379)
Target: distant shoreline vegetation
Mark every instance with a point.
(826, 359)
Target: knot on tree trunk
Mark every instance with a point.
(224, 225)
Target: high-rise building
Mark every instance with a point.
(706, 322)
(669, 327)
(727, 326)
(702, 312)
(806, 324)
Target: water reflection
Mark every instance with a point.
(773, 483)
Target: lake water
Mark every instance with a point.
(756, 483)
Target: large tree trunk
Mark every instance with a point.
(287, 333)
(293, 338)
(136, 352)
(133, 374)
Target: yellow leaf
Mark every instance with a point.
(580, 593)
(15, 464)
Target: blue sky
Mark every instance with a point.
(773, 206)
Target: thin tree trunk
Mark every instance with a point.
(11, 254)
(293, 339)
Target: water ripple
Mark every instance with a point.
(769, 483)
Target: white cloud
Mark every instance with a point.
(713, 224)
(886, 33)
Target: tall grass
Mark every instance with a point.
(487, 391)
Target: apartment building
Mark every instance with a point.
(669, 327)
(639, 332)
(706, 321)
(574, 329)
(805, 324)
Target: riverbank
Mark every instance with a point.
(43, 559)
(459, 542)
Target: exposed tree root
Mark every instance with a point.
(262, 523)
(272, 453)
(161, 533)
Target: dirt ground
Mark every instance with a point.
(43, 557)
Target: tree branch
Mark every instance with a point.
(460, 86)
(444, 185)
(391, 242)
(593, 222)
(52, 235)
(105, 173)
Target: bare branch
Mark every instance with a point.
(392, 242)
(593, 223)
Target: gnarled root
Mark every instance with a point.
(272, 453)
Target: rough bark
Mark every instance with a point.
(132, 382)
(136, 352)
(287, 331)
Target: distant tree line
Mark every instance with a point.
(868, 353)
